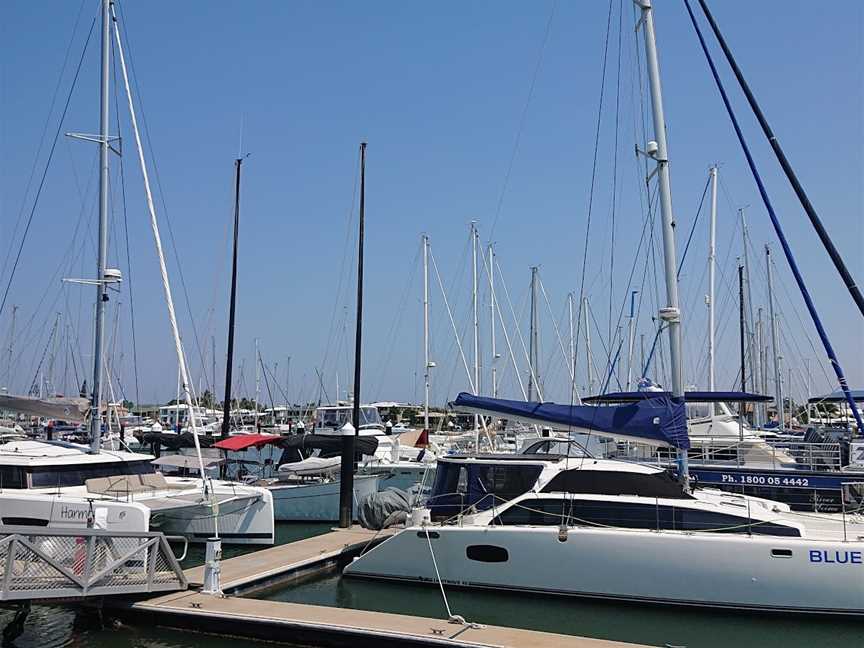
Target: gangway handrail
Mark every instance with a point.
(38, 563)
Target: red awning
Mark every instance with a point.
(244, 441)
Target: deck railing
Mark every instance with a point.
(39, 563)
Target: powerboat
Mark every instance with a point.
(57, 484)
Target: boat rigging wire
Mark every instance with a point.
(787, 251)
(155, 166)
(594, 170)
(47, 166)
(522, 118)
(128, 277)
(840, 266)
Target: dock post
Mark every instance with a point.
(212, 570)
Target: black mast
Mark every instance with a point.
(226, 406)
(787, 168)
(346, 488)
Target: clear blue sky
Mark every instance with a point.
(438, 91)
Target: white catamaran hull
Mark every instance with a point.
(236, 518)
(317, 501)
(701, 569)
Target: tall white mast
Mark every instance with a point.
(657, 150)
(258, 379)
(712, 258)
(474, 308)
(426, 364)
(533, 341)
(631, 333)
(775, 350)
(102, 254)
(166, 286)
(494, 351)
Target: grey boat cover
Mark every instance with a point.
(71, 409)
(383, 509)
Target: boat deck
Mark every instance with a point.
(315, 625)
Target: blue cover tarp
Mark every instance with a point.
(689, 396)
(659, 420)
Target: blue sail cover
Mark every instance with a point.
(689, 396)
(659, 420)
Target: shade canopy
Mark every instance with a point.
(176, 441)
(838, 396)
(244, 441)
(660, 420)
(689, 396)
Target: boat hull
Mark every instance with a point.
(244, 517)
(694, 569)
(317, 502)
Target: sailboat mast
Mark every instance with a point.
(349, 441)
(712, 260)
(229, 362)
(494, 351)
(671, 313)
(631, 332)
(102, 255)
(475, 311)
(775, 351)
(533, 339)
(426, 366)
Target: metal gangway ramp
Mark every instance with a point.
(37, 563)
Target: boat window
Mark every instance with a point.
(12, 477)
(698, 410)
(458, 486)
(76, 475)
(632, 515)
(561, 447)
(369, 416)
(487, 553)
(25, 521)
(607, 482)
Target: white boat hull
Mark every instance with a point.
(318, 501)
(243, 517)
(701, 569)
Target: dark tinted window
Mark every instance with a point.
(458, 486)
(487, 553)
(605, 482)
(12, 477)
(631, 515)
(55, 476)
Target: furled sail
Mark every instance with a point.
(71, 409)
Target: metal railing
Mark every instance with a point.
(39, 563)
(796, 455)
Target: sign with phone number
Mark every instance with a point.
(775, 480)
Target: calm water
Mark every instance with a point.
(50, 627)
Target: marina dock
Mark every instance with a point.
(315, 625)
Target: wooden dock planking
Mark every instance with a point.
(260, 566)
(331, 626)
